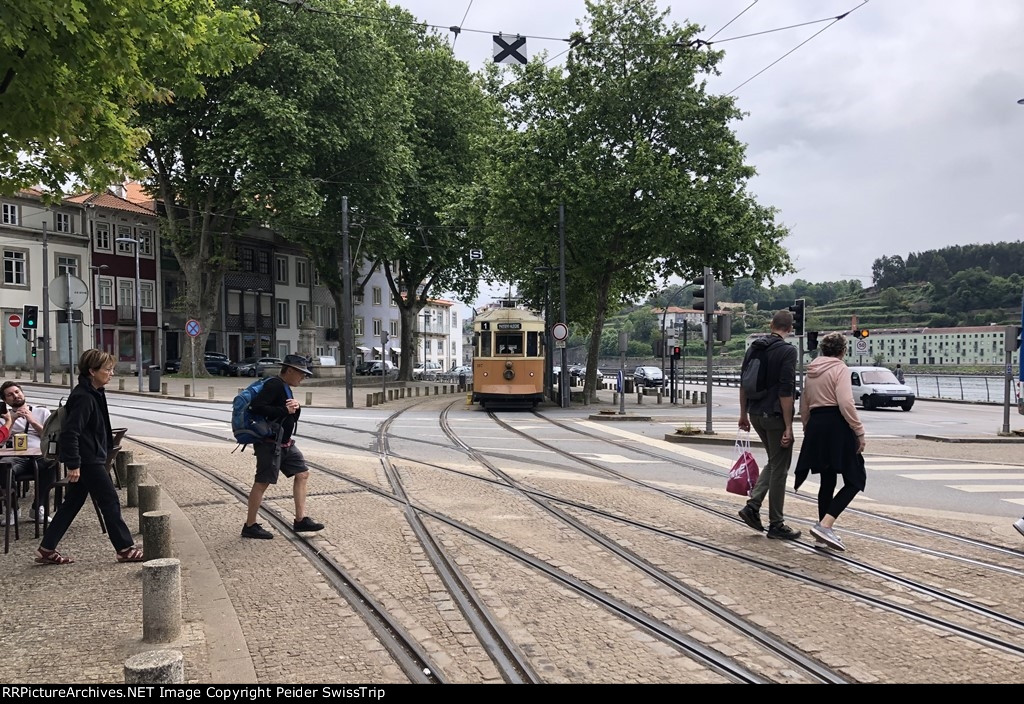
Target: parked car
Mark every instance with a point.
(363, 368)
(378, 367)
(878, 387)
(252, 366)
(427, 371)
(647, 376)
(172, 366)
(464, 369)
(216, 363)
(579, 374)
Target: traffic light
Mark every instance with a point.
(797, 309)
(29, 320)
(812, 341)
(704, 298)
(677, 352)
(861, 334)
(1012, 338)
(33, 350)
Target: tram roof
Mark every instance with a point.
(508, 314)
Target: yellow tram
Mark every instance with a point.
(508, 357)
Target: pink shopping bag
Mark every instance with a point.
(744, 472)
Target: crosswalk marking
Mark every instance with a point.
(946, 477)
(967, 466)
(978, 488)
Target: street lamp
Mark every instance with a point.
(96, 271)
(138, 307)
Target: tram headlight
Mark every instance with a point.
(508, 374)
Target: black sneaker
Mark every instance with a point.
(783, 532)
(256, 531)
(750, 517)
(307, 525)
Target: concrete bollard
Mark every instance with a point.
(120, 383)
(149, 500)
(309, 398)
(136, 475)
(703, 396)
(161, 600)
(660, 396)
(188, 390)
(369, 400)
(63, 379)
(121, 461)
(417, 391)
(155, 667)
(210, 391)
(615, 398)
(426, 390)
(640, 399)
(163, 388)
(436, 392)
(156, 534)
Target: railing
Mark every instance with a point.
(977, 389)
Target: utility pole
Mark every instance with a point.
(46, 308)
(709, 343)
(563, 384)
(347, 340)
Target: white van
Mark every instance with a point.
(878, 387)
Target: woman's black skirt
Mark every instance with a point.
(830, 447)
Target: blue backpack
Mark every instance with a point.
(246, 426)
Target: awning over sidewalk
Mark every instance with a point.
(362, 348)
(376, 350)
(396, 350)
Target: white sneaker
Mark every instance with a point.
(42, 518)
(827, 536)
(1019, 525)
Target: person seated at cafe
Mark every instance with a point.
(29, 419)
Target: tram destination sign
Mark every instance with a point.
(510, 326)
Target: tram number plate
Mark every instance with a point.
(510, 326)
(899, 398)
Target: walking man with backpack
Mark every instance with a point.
(278, 454)
(766, 402)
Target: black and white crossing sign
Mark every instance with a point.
(509, 51)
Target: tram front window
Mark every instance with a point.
(509, 343)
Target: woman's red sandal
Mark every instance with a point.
(51, 557)
(132, 554)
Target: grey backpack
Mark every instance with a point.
(754, 379)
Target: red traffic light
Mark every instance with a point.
(677, 352)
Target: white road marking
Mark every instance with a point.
(978, 488)
(613, 459)
(928, 466)
(941, 477)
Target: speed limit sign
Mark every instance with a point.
(862, 346)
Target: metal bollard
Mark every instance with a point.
(309, 398)
(163, 388)
(155, 667)
(121, 461)
(209, 390)
(136, 474)
(161, 600)
(156, 534)
(149, 500)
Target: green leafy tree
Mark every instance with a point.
(269, 145)
(73, 75)
(652, 178)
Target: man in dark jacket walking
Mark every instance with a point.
(772, 417)
(275, 403)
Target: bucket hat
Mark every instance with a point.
(297, 361)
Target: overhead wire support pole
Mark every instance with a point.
(347, 340)
(563, 384)
(709, 315)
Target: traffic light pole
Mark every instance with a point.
(709, 343)
(46, 308)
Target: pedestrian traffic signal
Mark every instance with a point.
(812, 341)
(797, 309)
(861, 333)
(33, 350)
(677, 352)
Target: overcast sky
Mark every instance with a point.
(895, 130)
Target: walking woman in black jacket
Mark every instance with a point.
(85, 440)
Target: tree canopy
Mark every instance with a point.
(652, 178)
(74, 73)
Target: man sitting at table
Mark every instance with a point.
(29, 419)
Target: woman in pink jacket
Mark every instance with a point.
(833, 436)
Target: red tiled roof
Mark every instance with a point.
(111, 201)
(135, 192)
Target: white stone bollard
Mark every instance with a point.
(161, 600)
(155, 667)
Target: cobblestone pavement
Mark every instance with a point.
(256, 611)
